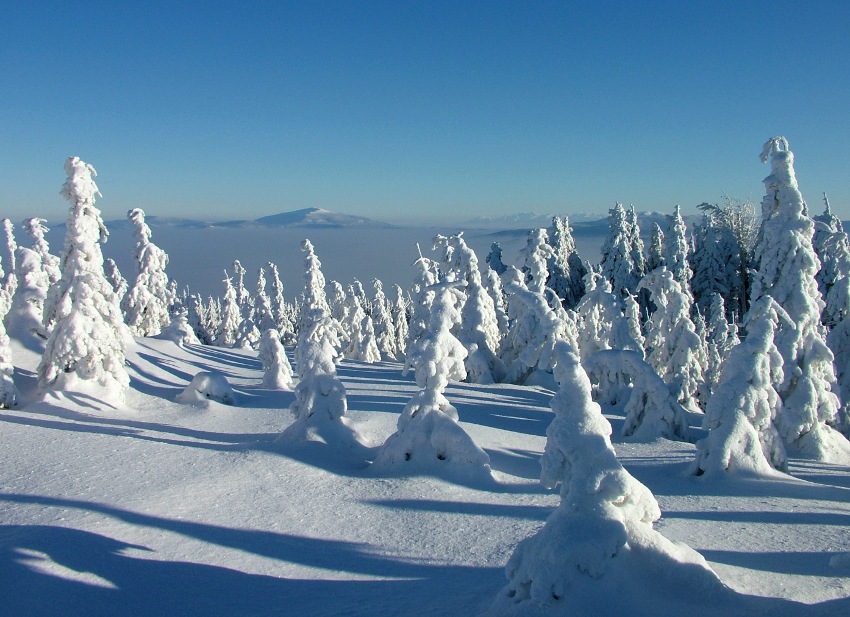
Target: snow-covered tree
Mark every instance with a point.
(566, 269)
(263, 313)
(422, 295)
(277, 372)
(113, 275)
(715, 269)
(528, 349)
(243, 296)
(655, 250)
(787, 265)
(87, 333)
(675, 350)
(8, 391)
(595, 316)
(494, 259)
(231, 316)
(742, 411)
(382, 319)
(600, 538)
(26, 310)
(145, 304)
(833, 250)
(676, 249)
(179, 330)
(196, 315)
(494, 288)
(36, 229)
(618, 253)
(400, 320)
(9, 282)
(362, 344)
(315, 313)
(535, 255)
(428, 436)
(276, 297)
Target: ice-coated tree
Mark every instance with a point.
(721, 338)
(595, 316)
(787, 265)
(362, 344)
(26, 306)
(179, 330)
(277, 371)
(714, 268)
(635, 243)
(320, 397)
(212, 323)
(315, 313)
(618, 265)
(247, 333)
(85, 348)
(493, 284)
(626, 333)
(535, 255)
(494, 259)
(400, 320)
(276, 297)
(382, 319)
(36, 229)
(231, 316)
(10, 281)
(675, 350)
(422, 295)
(243, 297)
(528, 349)
(741, 414)
(676, 249)
(113, 275)
(340, 307)
(566, 268)
(263, 313)
(655, 250)
(8, 391)
(428, 436)
(196, 316)
(600, 538)
(833, 250)
(145, 304)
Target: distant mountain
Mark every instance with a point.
(306, 217)
(317, 217)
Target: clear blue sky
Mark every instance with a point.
(406, 109)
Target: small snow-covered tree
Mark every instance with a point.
(536, 254)
(400, 320)
(428, 436)
(9, 282)
(422, 295)
(675, 350)
(618, 265)
(263, 313)
(276, 298)
(595, 316)
(494, 259)
(362, 344)
(87, 333)
(196, 315)
(600, 537)
(833, 250)
(228, 326)
(676, 249)
(742, 411)
(787, 265)
(113, 275)
(277, 371)
(145, 305)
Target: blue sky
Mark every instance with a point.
(409, 110)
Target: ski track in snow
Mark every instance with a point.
(158, 508)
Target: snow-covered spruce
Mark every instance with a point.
(145, 304)
(10, 281)
(179, 330)
(676, 250)
(277, 372)
(8, 391)
(382, 320)
(651, 410)
(598, 548)
(786, 272)
(618, 253)
(207, 386)
(741, 412)
(566, 268)
(528, 349)
(429, 438)
(85, 349)
(676, 352)
(320, 400)
(230, 317)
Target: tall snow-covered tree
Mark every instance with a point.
(362, 344)
(833, 250)
(655, 250)
(263, 312)
(600, 537)
(8, 391)
(618, 265)
(382, 319)
(276, 297)
(494, 259)
(145, 304)
(741, 414)
(230, 316)
(566, 268)
(535, 255)
(787, 265)
(676, 249)
(9, 282)
(428, 436)
(675, 350)
(315, 314)
(87, 334)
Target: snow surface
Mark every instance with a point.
(157, 508)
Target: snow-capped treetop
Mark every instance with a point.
(655, 251)
(535, 255)
(36, 229)
(80, 187)
(676, 249)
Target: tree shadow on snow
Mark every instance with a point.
(48, 571)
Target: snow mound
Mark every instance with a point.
(208, 386)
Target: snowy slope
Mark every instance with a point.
(158, 508)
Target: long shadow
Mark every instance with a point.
(770, 517)
(48, 571)
(220, 355)
(803, 563)
(535, 513)
(516, 462)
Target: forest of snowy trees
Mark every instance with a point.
(744, 318)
